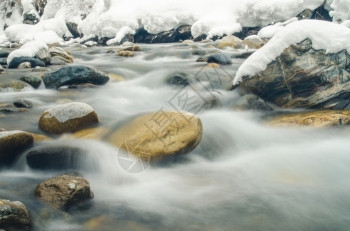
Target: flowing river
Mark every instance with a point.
(243, 176)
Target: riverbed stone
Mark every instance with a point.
(126, 53)
(323, 118)
(12, 85)
(159, 136)
(14, 216)
(32, 80)
(59, 52)
(12, 143)
(219, 58)
(302, 77)
(68, 117)
(64, 191)
(16, 61)
(57, 60)
(55, 157)
(69, 75)
(44, 55)
(25, 65)
(253, 42)
(23, 103)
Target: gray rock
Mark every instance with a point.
(44, 55)
(252, 102)
(14, 216)
(64, 191)
(24, 65)
(178, 79)
(32, 80)
(175, 35)
(4, 53)
(74, 75)
(60, 53)
(220, 58)
(302, 77)
(15, 62)
(30, 18)
(3, 61)
(57, 60)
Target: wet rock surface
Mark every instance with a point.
(16, 61)
(64, 191)
(14, 216)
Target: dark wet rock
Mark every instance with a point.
(305, 14)
(73, 29)
(320, 13)
(128, 38)
(14, 216)
(69, 117)
(175, 35)
(178, 79)
(200, 38)
(23, 103)
(252, 102)
(3, 61)
(74, 74)
(88, 40)
(4, 53)
(302, 77)
(55, 157)
(12, 143)
(30, 18)
(219, 58)
(44, 55)
(247, 31)
(32, 80)
(202, 59)
(64, 191)
(7, 108)
(15, 62)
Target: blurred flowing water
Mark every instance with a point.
(244, 175)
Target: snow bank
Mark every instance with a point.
(23, 33)
(324, 35)
(27, 50)
(341, 10)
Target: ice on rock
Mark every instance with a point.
(69, 111)
(329, 36)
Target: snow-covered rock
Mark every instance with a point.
(305, 65)
(341, 10)
(30, 49)
(324, 35)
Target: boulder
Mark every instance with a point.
(4, 53)
(126, 53)
(302, 77)
(159, 136)
(68, 117)
(57, 60)
(32, 80)
(230, 41)
(10, 108)
(12, 143)
(74, 75)
(219, 58)
(324, 118)
(55, 157)
(16, 61)
(64, 191)
(30, 18)
(14, 216)
(179, 79)
(132, 48)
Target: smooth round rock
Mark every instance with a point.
(14, 216)
(64, 191)
(55, 157)
(32, 80)
(69, 117)
(159, 135)
(16, 61)
(222, 59)
(12, 143)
